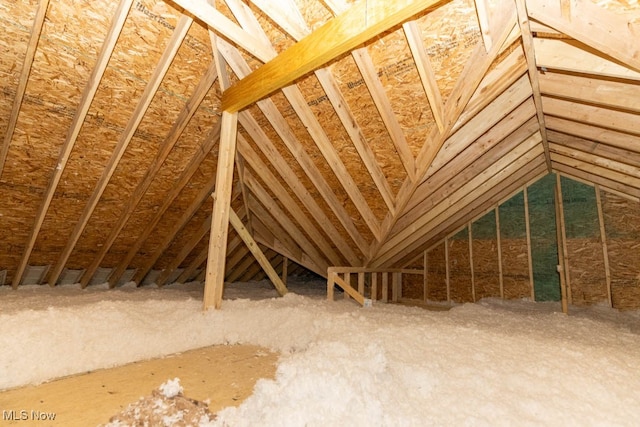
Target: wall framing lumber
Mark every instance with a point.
(561, 267)
(214, 283)
(499, 243)
(528, 231)
(563, 240)
(88, 94)
(605, 251)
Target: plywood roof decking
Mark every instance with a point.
(367, 160)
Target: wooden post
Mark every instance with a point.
(425, 287)
(528, 230)
(361, 282)
(331, 282)
(473, 279)
(347, 278)
(560, 267)
(257, 253)
(446, 269)
(214, 282)
(285, 268)
(396, 283)
(498, 237)
(374, 286)
(563, 235)
(605, 251)
(385, 287)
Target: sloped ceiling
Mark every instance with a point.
(111, 121)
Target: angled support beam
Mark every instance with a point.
(363, 21)
(592, 25)
(167, 145)
(527, 43)
(257, 253)
(214, 283)
(78, 119)
(36, 30)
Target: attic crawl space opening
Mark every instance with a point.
(492, 145)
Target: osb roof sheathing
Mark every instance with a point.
(367, 160)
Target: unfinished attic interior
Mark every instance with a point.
(436, 150)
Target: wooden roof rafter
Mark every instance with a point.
(475, 69)
(190, 108)
(34, 39)
(208, 144)
(280, 125)
(180, 32)
(316, 131)
(88, 94)
(261, 170)
(527, 43)
(280, 165)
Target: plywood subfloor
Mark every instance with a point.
(224, 375)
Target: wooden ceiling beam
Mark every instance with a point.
(88, 94)
(378, 94)
(362, 22)
(193, 266)
(34, 39)
(317, 132)
(180, 32)
(207, 145)
(527, 43)
(189, 109)
(607, 32)
(583, 171)
(269, 109)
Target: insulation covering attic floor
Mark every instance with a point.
(491, 363)
(110, 117)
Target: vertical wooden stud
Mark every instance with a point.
(498, 238)
(396, 286)
(331, 282)
(425, 286)
(605, 251)
(385, 287)
(473, 278)
(361, 282)
(447, 272)
(527, 226)
(374, 286)
(563, 236)
(560, 267)
(347, 278)
(285, 268)
(214, 282)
